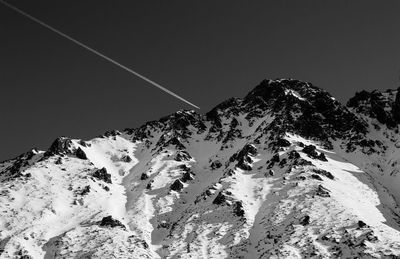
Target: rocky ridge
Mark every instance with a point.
(287, 171)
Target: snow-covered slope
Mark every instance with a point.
(285, 172)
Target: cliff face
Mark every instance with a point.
(286, 171)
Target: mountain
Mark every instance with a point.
(285, 172)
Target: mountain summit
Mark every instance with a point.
(285, 172)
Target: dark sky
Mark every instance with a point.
(205, 51)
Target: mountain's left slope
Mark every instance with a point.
(285, 172)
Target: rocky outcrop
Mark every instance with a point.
(102, 175)
(109, 221)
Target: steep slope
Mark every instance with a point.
(285, 172)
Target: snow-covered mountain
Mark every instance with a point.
(285, 172)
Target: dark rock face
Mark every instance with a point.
(182, 156)
(383, 106)
(316, 177)
(323, 192)
(283, 143)
(305, 220)
(324, 173)
(321, 116)
(80, 154)
(102, 174)
(311, 151)
(144, 176)
(109, 221)
(60, 146)
(177, 186)
(361, 224)
(238, 209)
(220, 199)
(187, 176)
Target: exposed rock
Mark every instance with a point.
(102, 174)
(221, 198)
(323, 192)
(305, 220)
(361, 224)
(238, 209)
(144, 176)
(177, 186)
(324, 173)
(80, 154)
(126, 159)
(187, 176)
(316, 177)
(60, 146)
(109, 221)
(149, 185)
(311, 151)
(281, 142)
(182, 156)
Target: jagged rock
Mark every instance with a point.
(80, 154)
(102, 174)
(324, 173)
(322, 157)
(109, 221)
(311, 151)
(144, 176)
(60, 146)
(177, 186)
(323, 192)
(112, 133)
(182, 156)
(242, 164)
(187, 176)
(275, 158)
(238, 209)
(221, 198)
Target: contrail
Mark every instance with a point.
(96, 52)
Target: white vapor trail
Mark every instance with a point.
(96, 52)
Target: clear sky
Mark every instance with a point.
(205, 51)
